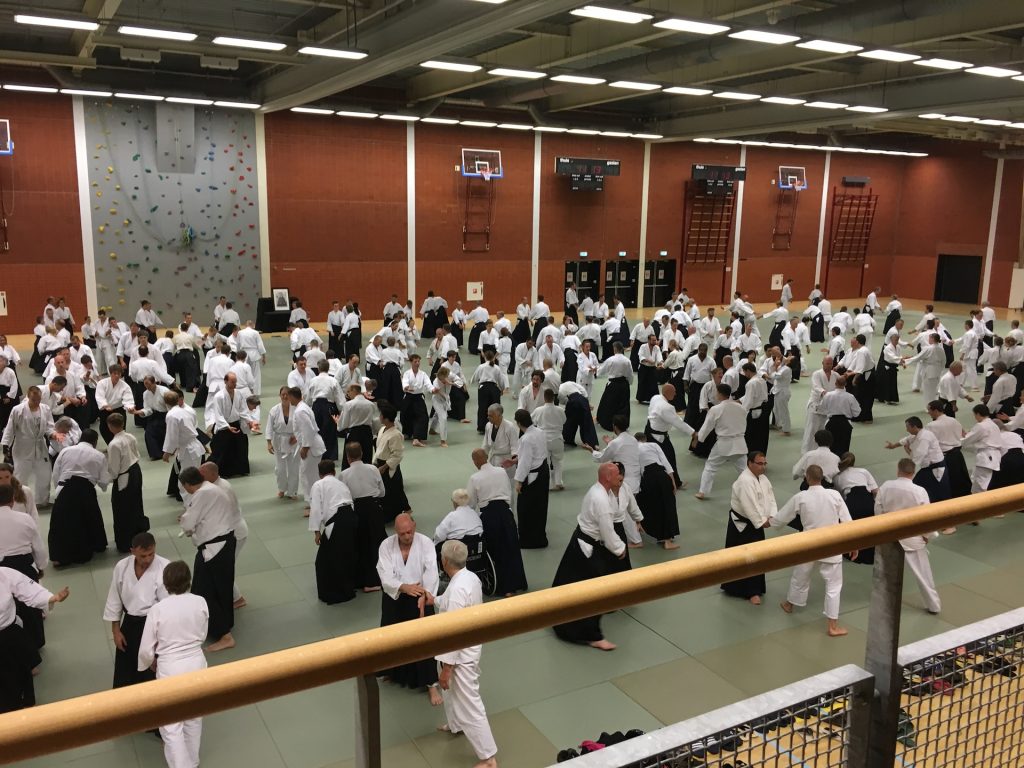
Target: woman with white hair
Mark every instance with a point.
(461, 522)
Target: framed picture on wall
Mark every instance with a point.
(281, 299)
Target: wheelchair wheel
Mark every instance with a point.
(484, 569)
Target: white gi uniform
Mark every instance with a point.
(818, 508)
(25, 436)
(550, 419)
(728, 420)
(307, 436)
(815, 421)
(931, 361)
(281, 437)
(625, 449)
(781, 379)
(181, 441)
(901, 493)
(173, 638)
(988, 452)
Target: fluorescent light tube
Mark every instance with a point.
(49, 21)
(959, 119)
(477, 123)
(941, 64)
(30, 88)
(139, 96)
(236, 104)
(162, 34)
(525, 74)
(870, 110)
(990, 121)
(759, 36)
(827, 46)
(189, 100)
(631, 85)
(352, 113)
(736, 96)
(549, 129)
(932, 116)
(686, 91)
(994, 71)
(439, 121)
(241, 42)
(515, 126)
(583, 131)
(651, 136)
(611, 14)
(452, 66)
(312, 110)
(696, 27)
(617, 134)
(404, 118)
(83, 92)
(332, 53)
(882, 55)
(826, 105)
(578, 79)
(788, 101)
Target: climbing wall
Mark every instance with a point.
(174, 208)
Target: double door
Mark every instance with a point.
(621, 279)
(659, 282)
(586, 275)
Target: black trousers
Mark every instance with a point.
(126, 662)
(414, 417)
(214, 582)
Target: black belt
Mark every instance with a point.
(217, 540)
(337, 512)
(936, 465)
(130, 620)
(588, 539)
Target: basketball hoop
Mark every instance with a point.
(485, 174)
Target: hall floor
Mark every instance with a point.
(677, 657)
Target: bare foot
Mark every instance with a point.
(465, 421)
(669, 544)
(280, 494)
(371, 589)
(631, 545)
(239, 603)
(436, 700)
(305, 512)
(603, 645)
(756, 600)
(36, 670)
(444, 443)
(490, 762)
(419, 444)
(699, 496)
(834, 630)
(785, 434)
(947, 531)
(444, 728)
(222, 645)
(432, 432)
(559, 487)
(684, 486)
(786, 606)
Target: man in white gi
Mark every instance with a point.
(822, 381)
(932, 362)
(984, 440)
(311, 445)
(251, 342)
(181, 440)
(136, 586)
(950, 388)
(818, 508)
(902, 493)
(24, 440)
(728, 420)
(461, 522)
(211, 474)
(459, 675)
(550, 419)
(751, 506)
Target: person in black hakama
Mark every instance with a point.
(126, 491)
(577, 415)
(335, 322)
(407, 566)
(648, 369)
(752, 504)
(592, 551)
(368, 490)
(615, 398)
(892, 317)
(817, 331)
(229, 448)
(531, 483)
(20, 539)
(886, 384)
(474, 335)
(657, 495)
(389, 386)
(1011, 465)
(570, 365)
(858, 489)
(389, 449)
(924, 449)
(335, 527)
(490, 380)
(10, 392)
(352, 334)
(490, 493)
(76, 524)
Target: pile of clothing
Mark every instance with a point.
(604, 740)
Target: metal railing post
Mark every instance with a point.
(858, 736)
(367, 722)
(880, 655)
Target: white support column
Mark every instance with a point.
(535, 236)
(821, 217)
(84, 205)
(264, 204)
(410, 202)
(997, 192)
(739, 223)
(644, 198)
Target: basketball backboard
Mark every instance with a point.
(792, 177)
(482, 163)
(6, 145)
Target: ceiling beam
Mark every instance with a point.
(103, 11)
(429, 29)
(34, 59)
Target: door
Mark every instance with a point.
(958, 278)
(621, 279)
(586, 275)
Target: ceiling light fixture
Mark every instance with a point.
(631, 85)
(48, 21)
(869, 110)
(826, 105)
(478, 123)
(959, 119)
(696, 27)
(882, 55)
(648, 136)
(137, 96)
(352, 113)
(162, 34)
(236, 104)
(1015, 125)
(84, 92)
(617, 134)
(439, 121)
(827, 46)
(759, 36)
(814, 147)
(525, 74)
(549, 129)
(578, 79)
(333, 53)
(515, 126)
(241, 42)
(932, 116)
(30, 88)
(583, 131)
(788, 101)
(942, 64)
(312, 110)
(736, 96)
(403, 118)
(451, 66)
(687, 91)
(990, 121)
(611, 14)
(994, 71)
(189, 100)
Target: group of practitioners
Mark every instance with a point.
(706, 378)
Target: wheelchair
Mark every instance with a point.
(478, 561)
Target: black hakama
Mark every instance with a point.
(675, 378)
(369, 535)
(861, 504)
(188, 369)
(214, 581)
(577, 416)
(570, 366)
(938, 490)
(335, 341)
(31, 618)
(323, 413)
(818, 328)
(105, 432)
(389, 386)
(775, 336)
(230, 451)
(5, 407)
(607, 348)
(395, 500)
(842, 432)
(337, 561)
(36, 361)
(127, 507)
(796, 363)
(572, 312)
(76, 525)
(201, 396)
(887, 382)
(414, 417)
(614, 401)
(757, 431)
(692, 415)
(474, 337)
(429, 325)
(532, 508)
(620, 565)
(890, 321)
(538, 326)
(374, 371)
(1011, 470)
(575, 567)
(957, 474)
(417, 674)
(657, 500)
(751, 586)
(634, 356)
(720, 353)
(501, 540)
(646, 383)
(352, 343)
(362, 434)
(137, 388)
(17, 690)
(156, 431)
(487, 394)
(126, 662)
(520, 333)
(703, 447)
(459, 397)
(863, 388)
(663, 441)
(456, 330)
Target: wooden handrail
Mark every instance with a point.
(100, 716)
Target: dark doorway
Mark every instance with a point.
(586, 275)
(659, 282)
(620, 279)
(957, 278)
